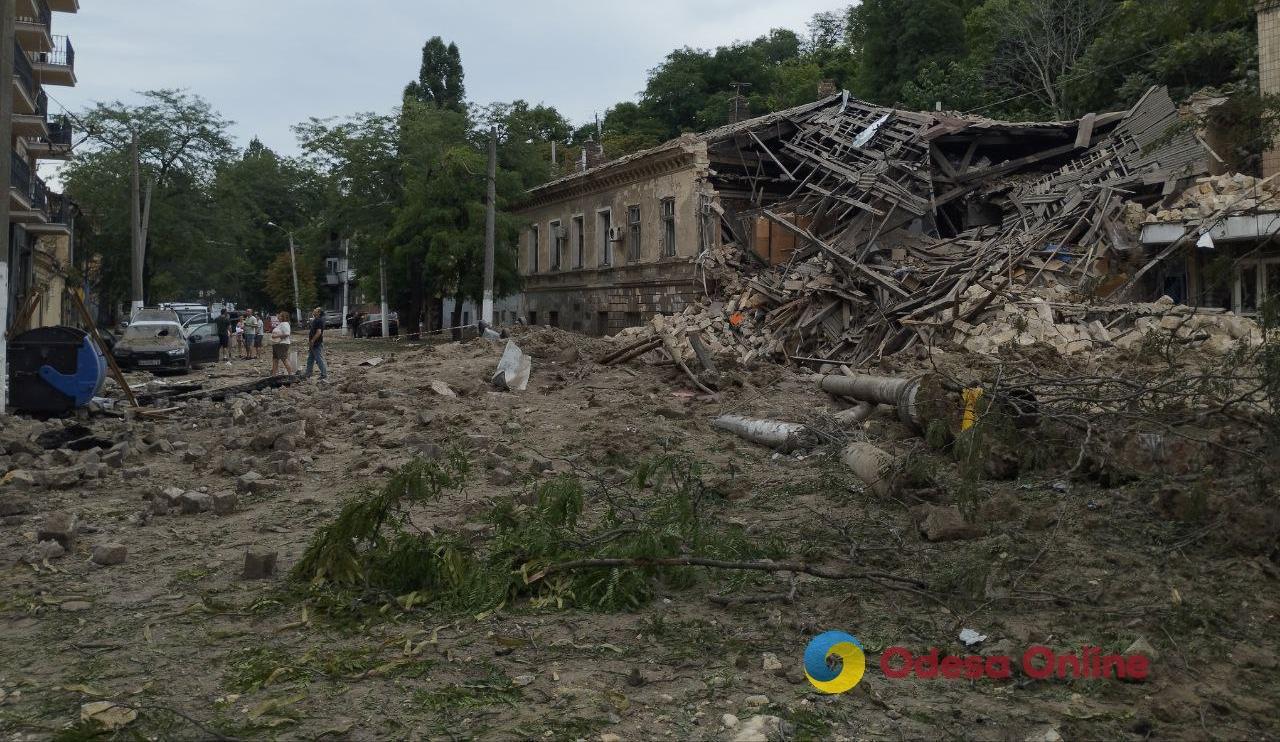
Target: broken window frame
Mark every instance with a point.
(557, 245)
(533, 248)
(1261, 268)
(604, 223)
(668, 212)
(580, 239)
(633, 234)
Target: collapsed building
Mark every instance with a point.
(843, 231)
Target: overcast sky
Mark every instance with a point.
(268, 64)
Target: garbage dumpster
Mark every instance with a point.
(54, 369)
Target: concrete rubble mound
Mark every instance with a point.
(874, 231)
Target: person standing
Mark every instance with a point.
(315, 345)
(223, 323)
(252, 334)
(240, 338)
(281, 339)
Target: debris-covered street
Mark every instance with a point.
(172, 628)
(742, 372)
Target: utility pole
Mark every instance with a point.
(382, 278)
(346, 280)
(490, 229)
(6, 152)
(293, 263)
(135, 226)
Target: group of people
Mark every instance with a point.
(244, 333)
(247, 332)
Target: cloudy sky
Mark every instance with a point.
(268, 64)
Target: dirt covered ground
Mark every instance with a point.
(178, 637)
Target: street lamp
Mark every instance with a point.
(293, 262)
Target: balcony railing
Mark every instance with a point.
(19, 175)
(44, 16)
(39, 194)
(22, 69)
(57, 209)
(63, 54)
(59, 132)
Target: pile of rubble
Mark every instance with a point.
(872, 231)
(1065, 327)
(1230, 193)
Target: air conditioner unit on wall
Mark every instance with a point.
(616, 234)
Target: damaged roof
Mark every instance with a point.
(937, 124)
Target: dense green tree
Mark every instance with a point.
(181, 142)
(278, 283)
(895, 39)
(358, 171)
(1185, 44)
(440, 77)
(252, 191)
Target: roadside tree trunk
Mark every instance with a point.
(417, 296)
(456, 320)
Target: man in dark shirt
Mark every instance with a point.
(224, 336)
(315, 342)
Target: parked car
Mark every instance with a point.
(371, 325)
(332, 318)
(189, 312)
(156, 341)
(202, 341)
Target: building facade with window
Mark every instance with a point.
(610, 246)
(40, 239)
(615, 243)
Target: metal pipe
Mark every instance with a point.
(879, 390)
(781, 436)
(867, 388)
(855, 415)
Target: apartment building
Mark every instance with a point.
(41, 221)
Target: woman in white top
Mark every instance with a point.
(239, 340)
(281, 337)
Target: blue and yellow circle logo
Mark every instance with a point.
(830, 644)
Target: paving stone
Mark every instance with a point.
(14, 503)
(59, 526)
(259, 564)
(195, 502)
(137, 472)
(225, 503)
(109, 554)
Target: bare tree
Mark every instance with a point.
(1040, 43)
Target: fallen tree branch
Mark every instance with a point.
(213, 734)
(752, 599)
(897, 581)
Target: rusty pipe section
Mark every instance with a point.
(878, 390)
